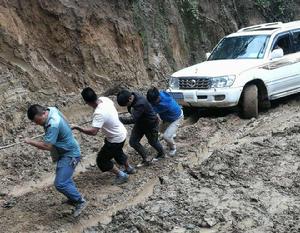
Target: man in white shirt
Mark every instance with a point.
(106, 118)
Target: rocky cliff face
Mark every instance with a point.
(51, 49)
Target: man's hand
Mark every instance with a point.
(39, 145)
(28, 141)
(159, 119)
(89, 131)
(127, 120)
(76, 127)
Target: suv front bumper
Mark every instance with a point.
(218, 97)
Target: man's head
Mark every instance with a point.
(89, 96)
(125, 98)
(37, 114)
(153, 95)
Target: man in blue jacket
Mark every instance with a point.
(64, 148)
(169, 112)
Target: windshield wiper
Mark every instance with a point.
(243, 48)
(261, 49)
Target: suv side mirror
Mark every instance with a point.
(207, 55)
(277, 53)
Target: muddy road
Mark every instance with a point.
(230, 175)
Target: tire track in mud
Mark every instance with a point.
(47, 180)
(105, 217)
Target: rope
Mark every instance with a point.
(37, 136)
(40, 135)
(18, 143)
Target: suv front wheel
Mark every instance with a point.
(250, 102)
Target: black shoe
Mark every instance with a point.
(144, 163)
(158, 158)
(69, 202)
(121, 179)
(79, 207)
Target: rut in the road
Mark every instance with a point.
(104, 217)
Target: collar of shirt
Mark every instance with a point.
(47, 125)
(135, 99)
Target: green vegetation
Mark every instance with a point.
(140, 22)
(276, 10)
(189, 11)
(152, 23)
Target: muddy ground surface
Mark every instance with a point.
(230, 175)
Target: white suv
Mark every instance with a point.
(247, 68)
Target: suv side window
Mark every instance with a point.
(283, 42)
(296, 41)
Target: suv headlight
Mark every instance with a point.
(174, 83)
(223, 81)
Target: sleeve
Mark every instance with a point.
(137, 112)
(161, 108)
(164, 106)
(51, 135)
(98, 121)
(127, 120)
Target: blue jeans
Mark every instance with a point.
(63, 181)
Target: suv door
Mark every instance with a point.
(282, 73)
(296, 40)
(296, 44)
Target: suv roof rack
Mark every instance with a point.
(270, 26)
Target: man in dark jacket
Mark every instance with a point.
(145, 123)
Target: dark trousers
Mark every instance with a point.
(108, 152)
(151, 133)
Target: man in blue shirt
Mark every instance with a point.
(64, 149)
(169, 112)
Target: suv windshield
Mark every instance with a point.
(241, 47)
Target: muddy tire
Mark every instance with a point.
(188, 111)
(265, 105)
(250, 102)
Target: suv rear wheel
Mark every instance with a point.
(250, 101)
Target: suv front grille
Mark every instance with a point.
(194, 83)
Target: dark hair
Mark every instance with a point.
(34, 110)
(89, 95)
(152, 94)
(123, 97)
